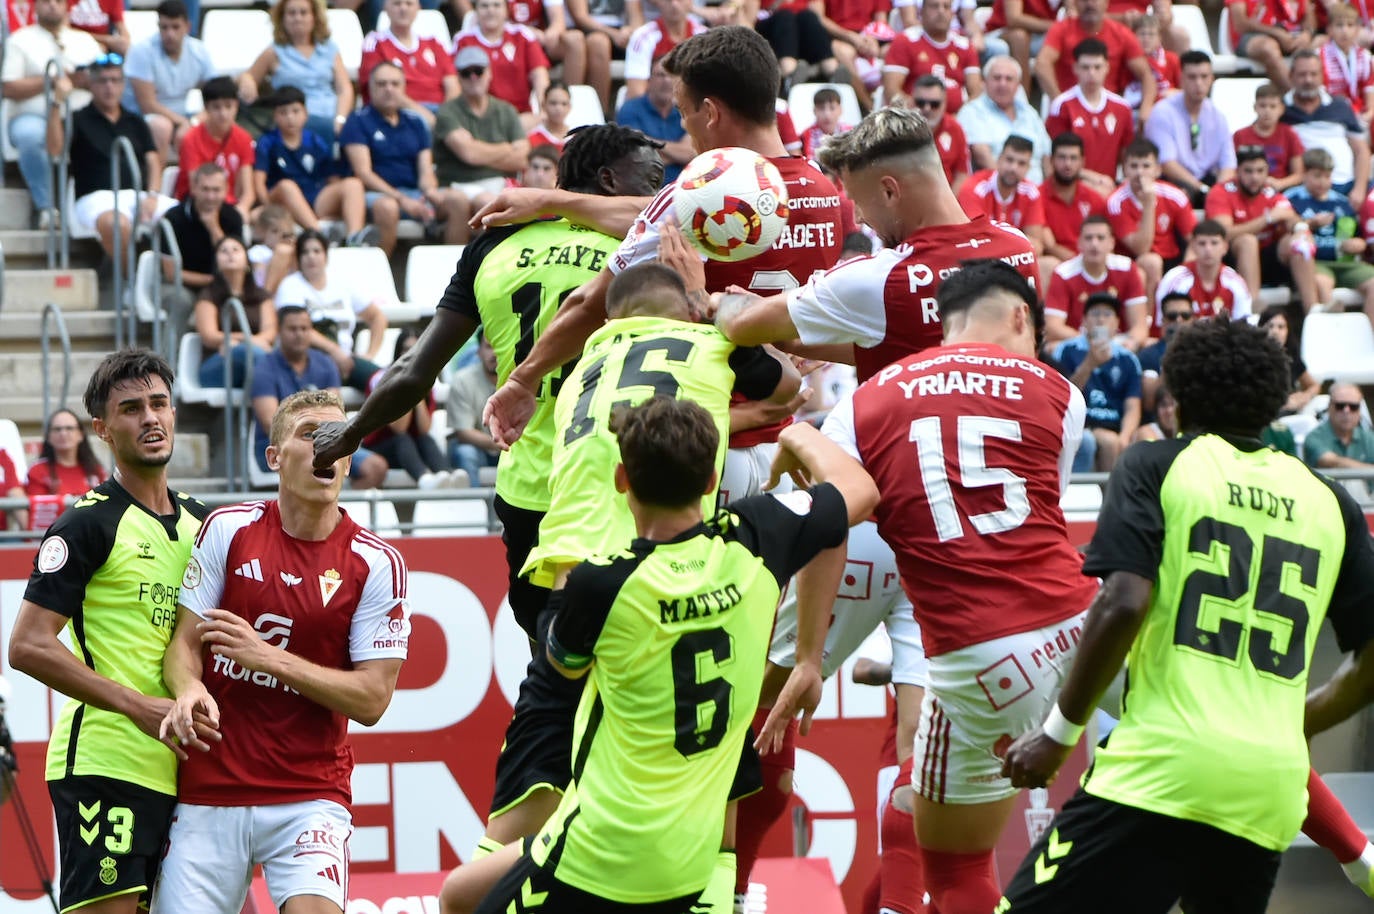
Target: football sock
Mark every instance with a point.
(486, 847)
(960, 883)
(903, 885)
(758, 812)
(1361, 870)
(1329, 825)
(719, 894)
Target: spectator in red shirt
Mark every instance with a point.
(561, 44)
(218, 139)
(656, 38)
(104, 20)
(1266, 30)
(929, 97)
(1103, 119)
(932, 48)
(1347, 68)
(67, 466)
(1257, 220)
(1023, 25)
(1282, 147)
(1125, 59)
(552, 129)
(12, 486)
(1004, 195)
(423, 59)
(519, 68)
(1096, 269)
(1214, 288)
(1068, 201)
(1163, 62)
(1152, 220)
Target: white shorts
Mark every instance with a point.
(488, 186)
(89, 207)
(211, 851)
(746, 472)
(870, 594)
(979, 700)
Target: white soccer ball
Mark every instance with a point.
(731, 203)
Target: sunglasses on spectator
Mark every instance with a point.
(108, 60)
(929, 103)
(471, 72)
(1171, 316)
(1345, 407)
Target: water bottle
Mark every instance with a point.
(1303, 245)
(1345, 228)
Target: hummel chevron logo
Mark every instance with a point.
(251, 570)
(1044, 872)
(290, 580)
(88, 813)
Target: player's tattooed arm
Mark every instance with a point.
(1110, 629)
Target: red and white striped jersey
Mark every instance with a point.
(512, 58)
(1173, 216)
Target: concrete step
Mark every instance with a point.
(29, 247)
(28, 290)
(16, 207)
(21, 374)
(89, 330)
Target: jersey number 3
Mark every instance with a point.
(701, 696)
(1288, 612)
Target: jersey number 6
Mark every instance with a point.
(701, 712)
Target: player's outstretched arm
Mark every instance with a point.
(1348, 690)
(810, 458)
(406, 383)
(510, 408)
(1111, 626)
(35, 650)
(361, 693)
(613, 216)
(181, 671)
(748, 320)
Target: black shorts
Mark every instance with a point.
(749, 774)
(520, 533)
(527, 887)
(111, 836)
(1104, 856)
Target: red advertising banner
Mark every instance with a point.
(424, 773)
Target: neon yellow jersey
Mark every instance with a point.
(512, 281)
(115, 569)
(626, 362)
(677, 636)
(1249, 551)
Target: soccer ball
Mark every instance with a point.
(731, 203)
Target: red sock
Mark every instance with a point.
(760, 811)
(1329, 825)
(868, 904)
(903, 885)
(960, 883)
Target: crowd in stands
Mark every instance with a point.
(1088, 124)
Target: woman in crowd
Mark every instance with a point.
(1305, 387)
(303, 55)
(233, 278)
(67, 466)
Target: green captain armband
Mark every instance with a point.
(565, 658)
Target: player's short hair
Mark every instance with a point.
(1097, 219)
(733, 65)
(218, 89)
(1250, 153)
(1090, 47)
(1102, 300)
(1067, 138)
(825, 97)
(856, 243)
(589, 149)
(118, 367)
(885, 133)
(976, 279)
(646, 289)
(300, 401)
(1141, 148)
(1226, 376)
(1269, 90)
(287, 95)
(1317, 160)
(1210, 228)
(1194, 58)
(1342, 12)
(668, 448)
(930, 81)
(1018, 143)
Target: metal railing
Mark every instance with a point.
(2, 254)
(235, 407)
(58, 217)
(124, 255)
(161, 332)
(52, 312)
(4, 43)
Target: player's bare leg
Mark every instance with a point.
(1246, 250)
(468, 884)
(524, 819)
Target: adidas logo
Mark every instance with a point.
(250, 570)
(331, 873)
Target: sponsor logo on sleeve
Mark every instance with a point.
(394, 629)
(191, 578)
(52, 555)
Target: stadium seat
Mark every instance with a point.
(620, 95)
(428, 270)
(1191, 19)
(586, 107)
(188, 387)
(13, 444)
(74, 231)
(451, 517)
(240, 36)
(369, 270)
(1272, 295)
(803, 111)
(1081, 497)
(1225, 61)
(1339, 347)
(1347, 298)
(169, 180)
(141, 24)
(387, 522)
(347, 33)
(486, 476)
(1235, 98)
(146, 277)
(1299, 424)
(11, 154)
(257, 478)
(428, 24)
(363, 339)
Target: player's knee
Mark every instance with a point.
(458, 895)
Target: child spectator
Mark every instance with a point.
(1347, 68)
(273, 254)
(1282, 147)
(1163, 63)
(295, 168)
(827, 108)
(542, 171)
(1109, 376)
(1152, 220)
(217, 138)
(552, 129)
(1333, 224)
(1214, 288)
(1103, 119)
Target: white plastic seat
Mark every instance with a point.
(258, 478)
(11, 154)
(387, 522)
(1081, 497)
(362, 339)
(803, 110)
(1339, 347)
(146, 277)
(428, 24)
(347, 33)
(169, 180)
(450, 517)
(189, 389)
(12, 443)
(74, 231)
(586, 107)
(429, 267)
(1225, 61)
(239, 37)
(1347, 298)
(621, 95)
(1235, 99)
(1190, 19)
(141, 24)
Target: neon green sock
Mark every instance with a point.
(486, 847)
(719, 895)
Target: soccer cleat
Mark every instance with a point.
(1361, 870)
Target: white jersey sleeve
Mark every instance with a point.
(380, 628)
(1075, 414)
(845, 303)
(1242, 303)
(839, 427)
(202, 584)
(641, 245)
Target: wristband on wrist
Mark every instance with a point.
(1060, 729)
